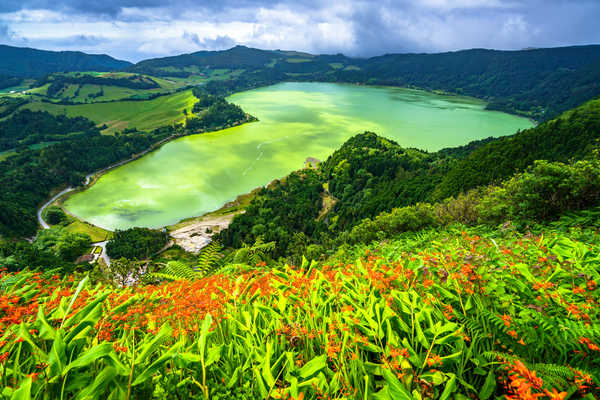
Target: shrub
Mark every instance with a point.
(55, 215)
(543, 193)
(398, 220)
(136, 243)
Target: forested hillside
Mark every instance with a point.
(29, 176)
(26, 128)
(540, 83)
(568, 137)
(370, 174)
(26, 62)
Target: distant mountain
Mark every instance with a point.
(238, 57)
(235, 58)
(540, 83)
(26, 62)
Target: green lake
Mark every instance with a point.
(196, 174)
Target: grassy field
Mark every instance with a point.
(97, 234)
(143, 115)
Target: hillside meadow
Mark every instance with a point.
(119, 115)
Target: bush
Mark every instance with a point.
(543, 193)
(398, 220)
(55, 215)
(136, 243)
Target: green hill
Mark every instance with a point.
(119, 115)
(369, 175)
(540, 83)
(26, 62)
(568, 137)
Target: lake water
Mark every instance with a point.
(196, 174)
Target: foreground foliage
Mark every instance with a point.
(465, 312)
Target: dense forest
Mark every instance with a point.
(9, 81)
(29, 177)
(25, 128)
(569, 136)
(212, 112)
(369, 175)
(9, 105)
(136, 243)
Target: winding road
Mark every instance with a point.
(88, 178)
(45, 225)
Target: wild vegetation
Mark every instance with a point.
(26, 128)
(444, 314)
(212, 112)
(136, 243)
(29, 176)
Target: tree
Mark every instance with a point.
(136, 243)
(55, 215)
(125, 272)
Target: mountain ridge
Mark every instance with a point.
(28, 62)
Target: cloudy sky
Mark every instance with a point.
(138, 29)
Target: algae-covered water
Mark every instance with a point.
(196, 174)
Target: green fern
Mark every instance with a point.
(176, 270)
(208, 259)
(553, 375)
(207, 264)
(254, 254)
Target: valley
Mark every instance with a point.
(278, 225)
(197, 174)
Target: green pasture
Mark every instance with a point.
(143, 115)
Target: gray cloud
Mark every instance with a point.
(136, 29)
(221, 42)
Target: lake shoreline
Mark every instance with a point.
(448, 102)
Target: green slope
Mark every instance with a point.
(142, 115)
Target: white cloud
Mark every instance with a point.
(149, 28)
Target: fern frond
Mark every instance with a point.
(209, 256)
(496, 355)
(176, 270)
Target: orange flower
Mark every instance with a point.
(434, 360)
(507, 320)
(554, 395)
(33, 376)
